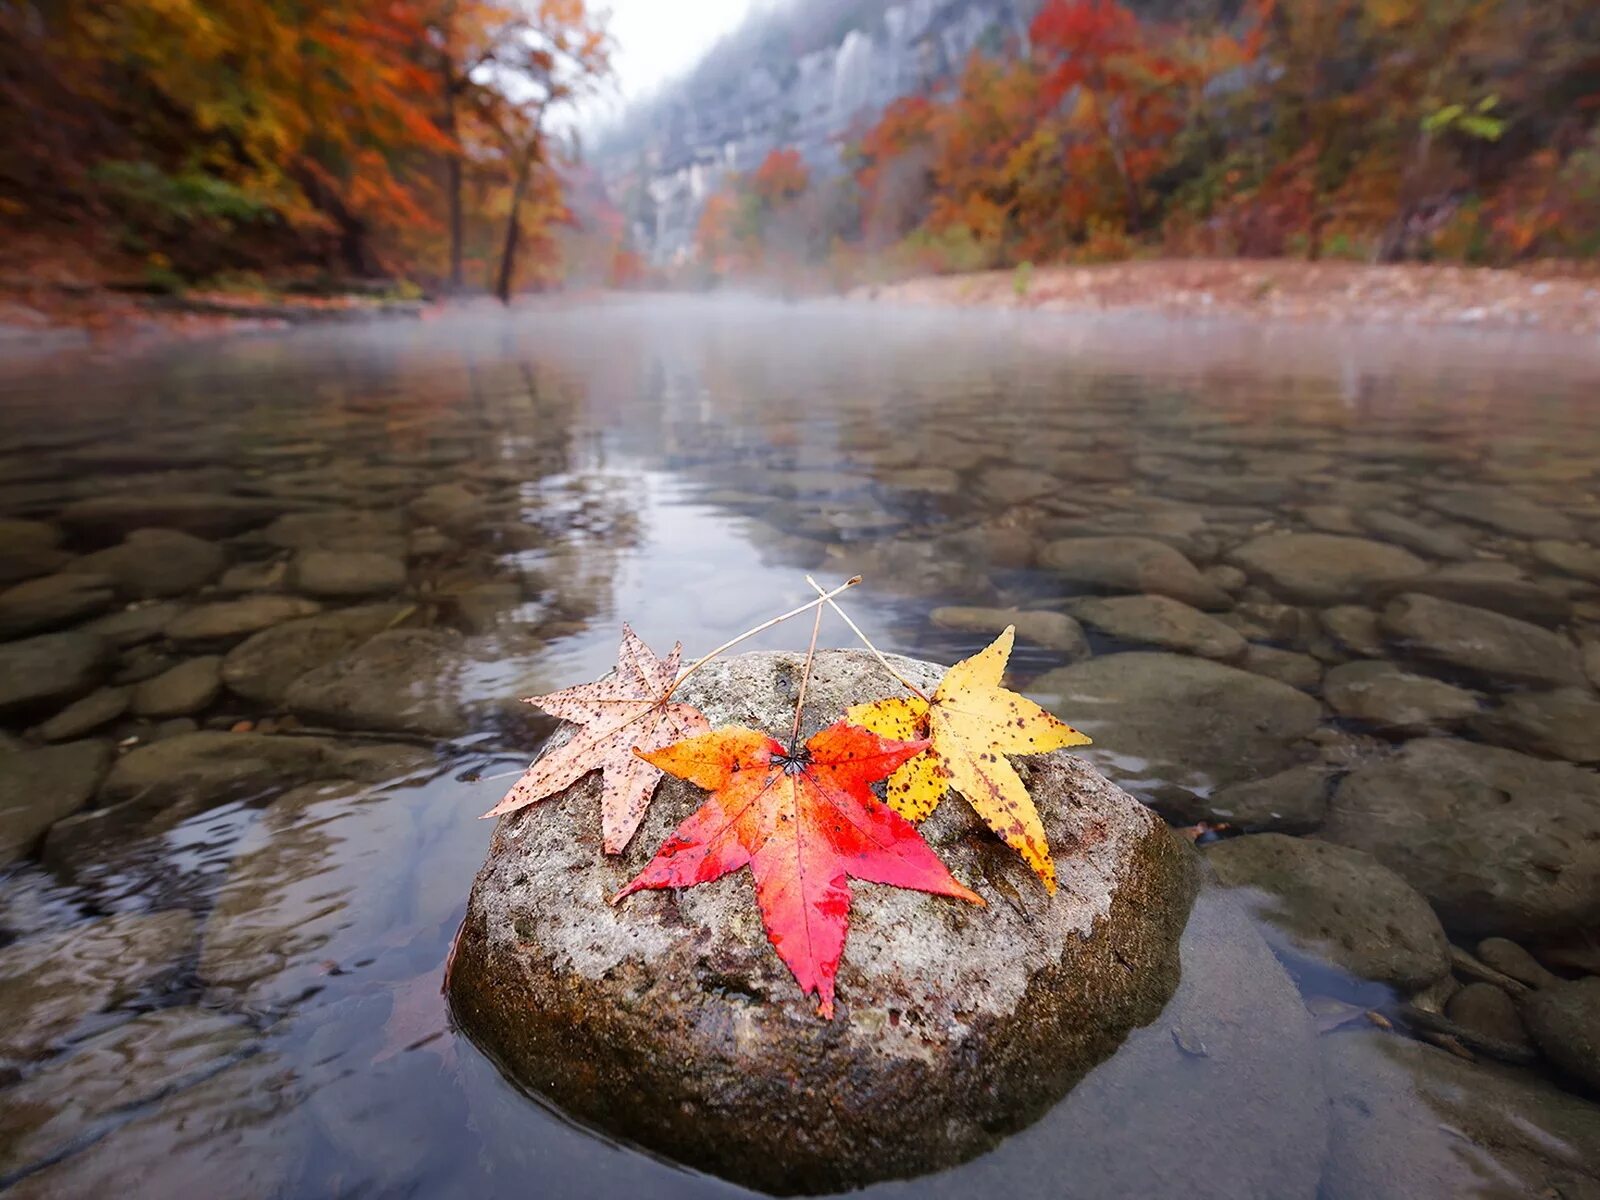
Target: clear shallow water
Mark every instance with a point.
(681, 465)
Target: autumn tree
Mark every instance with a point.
(553, 57)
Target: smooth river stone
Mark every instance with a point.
(1131, 564)
(180, 690)
(1472, 584)
(1564, 1018)
(229, 620)
(1326, 903)
(52, 600)
(402, 680)
(156, 563)
(1564, 723)
(1481, 642)
(1499, 842)
(669, 1020)
(1159, 621)
(190, 772)
(27, 549)
(347, 574)
(1168, 726)
(1388, 697)
(43, 672)
(1323, 568)
(1574, 558)
(262, 667)
(1502, 510)
(1053, 630)
(203, 514)
(40, 787)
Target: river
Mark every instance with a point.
(234, 862)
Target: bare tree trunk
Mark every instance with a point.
(508, 255)
(354, 249)
(452, 185)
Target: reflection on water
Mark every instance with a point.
(241, 756)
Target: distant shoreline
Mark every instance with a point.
(1558, 298)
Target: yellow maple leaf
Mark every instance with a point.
(973, 723)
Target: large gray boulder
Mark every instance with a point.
(669, 1020)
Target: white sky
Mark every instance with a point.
(655, 41)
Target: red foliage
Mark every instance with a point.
(805, 823)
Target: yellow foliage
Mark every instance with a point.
(973, 724)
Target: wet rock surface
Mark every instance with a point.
(950, 1030)
(1499, 842)
(1323, 902)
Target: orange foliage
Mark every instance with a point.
(781, 176)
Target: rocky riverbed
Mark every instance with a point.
(264, 614)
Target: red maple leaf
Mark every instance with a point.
(805, 823)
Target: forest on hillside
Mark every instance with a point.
(183, 142)
(1378, 130)
(338, 141)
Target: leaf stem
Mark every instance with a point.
(827, 598)
(805, 678)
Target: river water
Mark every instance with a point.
(235, 857)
